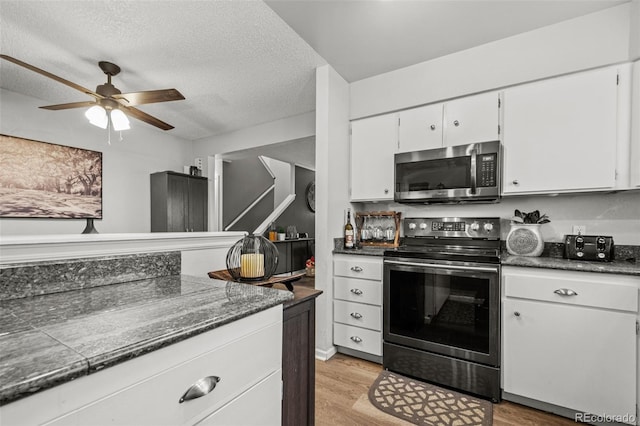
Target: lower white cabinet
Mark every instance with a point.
(245, 355)
(357, 303)
(569, 339)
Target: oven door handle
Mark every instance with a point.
(438, 266)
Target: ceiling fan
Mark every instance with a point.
(110, 99)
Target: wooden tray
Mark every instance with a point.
(287, 280)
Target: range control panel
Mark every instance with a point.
(452, 227)
(588, 247)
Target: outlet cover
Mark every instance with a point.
(580, 229)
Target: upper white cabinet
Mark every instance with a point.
(374, 141)
(635, 127)
(420, 128)
(458, 122)
(561, 135)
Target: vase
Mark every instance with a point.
(525, 239)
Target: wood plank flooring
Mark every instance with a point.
(342, 384)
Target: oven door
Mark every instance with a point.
(448, 308)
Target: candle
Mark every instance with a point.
(252, 265)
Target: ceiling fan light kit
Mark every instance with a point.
(110, 104)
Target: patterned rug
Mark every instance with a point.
(424, 404)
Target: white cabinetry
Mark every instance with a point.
(458, 122)
(569, 339)
(635, 127)
(561, 134)
(357, 304)
(146, 390)
(374, 141)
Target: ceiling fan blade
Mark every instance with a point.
(143, 116)
(52, 76)
(69, 105)
(149, 97)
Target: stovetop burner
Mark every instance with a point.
(450, 238)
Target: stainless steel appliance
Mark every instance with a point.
(441, 306)
(449, 175)
(588, 247)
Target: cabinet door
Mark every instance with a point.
(571, 356)
(472, 119)
(198, 189)
(374, 141)
(635, 127)
(560, 134)
(420, 128)
(177, 203)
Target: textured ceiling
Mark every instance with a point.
(239, 63)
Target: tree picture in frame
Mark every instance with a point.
(46, 180)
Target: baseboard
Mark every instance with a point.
(325, 355)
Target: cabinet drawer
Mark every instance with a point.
(263, 401)
(584, 289)
(155, 401)
(358, 267)
(355, 290)
(358, 314)
(358, 338)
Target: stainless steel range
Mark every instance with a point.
(442, 303)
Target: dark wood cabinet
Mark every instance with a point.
(298, 358)
(292, 254)
(178, 202)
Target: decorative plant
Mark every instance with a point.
(533, 217)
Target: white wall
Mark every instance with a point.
(634, 34)
(127, 164)
(592, 40)
(287, 129)
(332, 196)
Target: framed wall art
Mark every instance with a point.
(46, 180)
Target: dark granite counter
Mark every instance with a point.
(627, 262)
(50, 339)
(363, 251)
(615, 267)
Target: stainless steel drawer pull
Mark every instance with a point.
(356, 315)
(356, 339)
(356, 291)
(200, 388)
(565, 292)
(356, 269)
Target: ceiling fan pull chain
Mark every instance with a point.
(109, 133)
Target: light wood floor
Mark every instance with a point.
(342, 384)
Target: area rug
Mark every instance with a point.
(425, 404)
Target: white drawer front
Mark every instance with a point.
(259, 406)
(358, 314)
(365, 267)
(575, 288)
(357, 338)
(156, 401)
(355, 290)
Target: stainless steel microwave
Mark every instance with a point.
(451, 174)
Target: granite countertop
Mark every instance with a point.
(54, 338)
(615, 267)
(551, 261)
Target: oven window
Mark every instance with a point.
(445, 173)
(451, 310)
